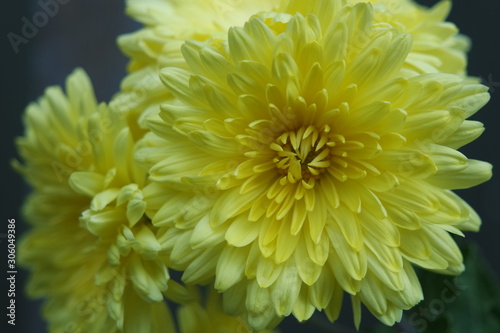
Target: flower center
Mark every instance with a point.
(303, 154)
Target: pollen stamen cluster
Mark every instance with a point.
(303, 154)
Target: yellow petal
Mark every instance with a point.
(230, 267)
(87, 183)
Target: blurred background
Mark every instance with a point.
(83, 34)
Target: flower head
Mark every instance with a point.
(92, 247)
(300, 161)
(167, 24)
(437, 46)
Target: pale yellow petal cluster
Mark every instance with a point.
(92, 247)
(301, 161)
(437, 46)
(167, 24)
(208, 316)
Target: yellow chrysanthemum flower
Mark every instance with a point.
(437, 46)
(209, 317)
(169, 22)
(298, 165)
(167, 25)
(94, 254)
